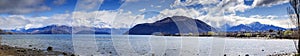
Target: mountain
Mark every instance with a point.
(255, 26)
(261, 27)
(62, 29)
(240, 27)
(171, 25)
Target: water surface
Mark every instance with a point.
(151, 45)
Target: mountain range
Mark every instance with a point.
(63, 29)
(169, 25)
(255, 26)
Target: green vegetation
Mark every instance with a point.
(288, 32)
(210, 33)
(297, 55)
(248, 34)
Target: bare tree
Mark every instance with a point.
(294, 13)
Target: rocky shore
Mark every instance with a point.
(285, 54)
(6, 50)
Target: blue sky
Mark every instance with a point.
(277, 10)
(68, 6)
(146, 10)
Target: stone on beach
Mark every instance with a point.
(50, 48)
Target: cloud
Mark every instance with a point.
(87, 14)
(264, 17)
(221, 7)
(142, 10)
(13, 21)
(233, 5)
(21, 21)
(234, 20)
(22, 6)
(101, 19)
(193, 2)
(121, 19)
(224, 12)
(192, 13)
(59, 2)
(268, 2)
(111, 19)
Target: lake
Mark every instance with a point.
(148, 45)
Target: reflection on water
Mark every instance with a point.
(157, 45)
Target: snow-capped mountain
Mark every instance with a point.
(255, 26)
(63, 29)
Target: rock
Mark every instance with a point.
(64, 53)
(50, 48)
(247, 55)
(30, 45)
(73, 55)
(110, 52)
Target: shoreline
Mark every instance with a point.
(6, 50)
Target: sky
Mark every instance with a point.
(16, 14)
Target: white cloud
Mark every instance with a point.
(268, 2)
(28, 26)
(88, 15)
(21, 21)
(120, 19)
(264, 17)
(142, 10)
(193, 2)
(234, 20)
(193, 13)
(158, 7)
(112, 19)
(225, 13)
(14, 21)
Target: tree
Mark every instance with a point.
(294, 12)
(271, 30)
(1, 31)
